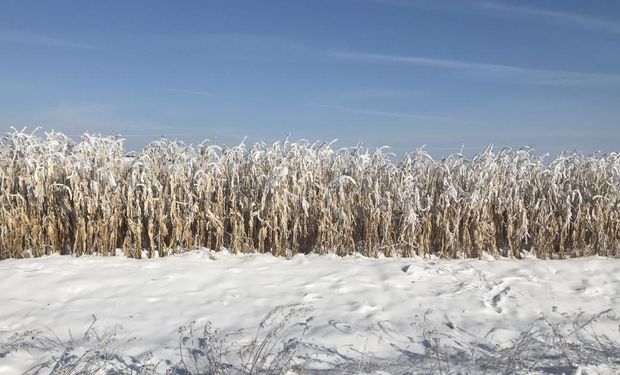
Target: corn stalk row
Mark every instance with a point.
(90, 197)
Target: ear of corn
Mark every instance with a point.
(90, 198)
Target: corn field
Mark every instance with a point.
(90, 197)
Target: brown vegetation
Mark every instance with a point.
(89, 197)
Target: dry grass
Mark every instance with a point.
(89, 197)
(556, 344)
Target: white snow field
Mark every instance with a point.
(385, 315)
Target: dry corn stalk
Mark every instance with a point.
(90, 198)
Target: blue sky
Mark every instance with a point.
(403, 73)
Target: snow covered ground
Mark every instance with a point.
(368, 315)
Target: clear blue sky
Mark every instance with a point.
(382, 72)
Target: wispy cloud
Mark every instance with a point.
(21, 37)
(376, 93)
(241, 46)
(372, 112)
(191, 92)
(74, 118)
(575, 19)
(498, 72)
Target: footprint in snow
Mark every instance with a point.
(497, 299)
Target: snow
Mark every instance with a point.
(358, 304)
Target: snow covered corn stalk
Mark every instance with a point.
(90, 198)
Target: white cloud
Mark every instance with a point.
(376, 93)
(372, 112)
(497, 72)
(20, 37)
(575, 19)
(192, 92)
